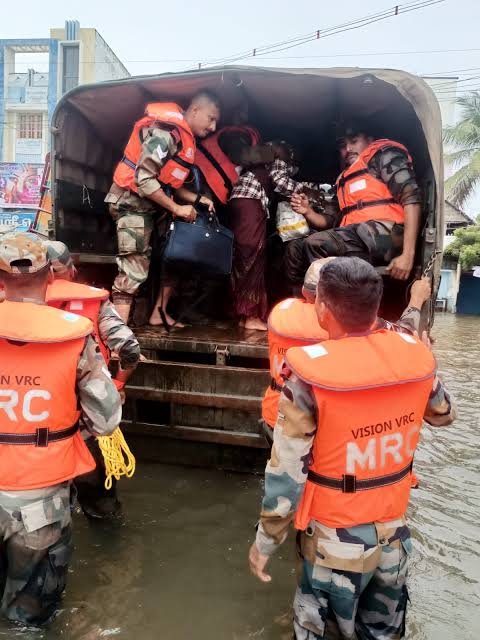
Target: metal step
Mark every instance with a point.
(200, 385)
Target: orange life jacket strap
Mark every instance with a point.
(349, 483)
(359, 206)
(129, 163)
(176, 158)
(41, 438)
(344, 179)
(217, 166)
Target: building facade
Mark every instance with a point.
(28, 98)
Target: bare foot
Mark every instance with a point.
(255, 323)
(156, 320)
(241, 322)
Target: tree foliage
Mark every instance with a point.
(466, 247)
(464, 137)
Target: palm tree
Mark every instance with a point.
(464, 137)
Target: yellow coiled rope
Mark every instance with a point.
(119, 460)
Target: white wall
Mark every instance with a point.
(107, 65)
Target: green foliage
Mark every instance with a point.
(464, 137)
(466, 247)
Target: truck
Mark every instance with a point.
(196, 398)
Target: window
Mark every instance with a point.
(71, 54)
(30, 125)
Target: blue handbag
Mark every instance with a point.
(201, 247)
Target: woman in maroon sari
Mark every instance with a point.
(248, 214)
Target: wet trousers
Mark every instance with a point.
(352, 582)
(35, 550)
(376, 241)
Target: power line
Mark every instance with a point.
(354, 54)
(325, 32)
(454, 98)
(453, 91)
(375, 54)
(445, 84)
(322, 33)
(430, 75)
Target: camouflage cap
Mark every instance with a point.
(60, 257)
(16, 246)
(310, 282)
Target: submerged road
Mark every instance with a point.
(176, 568)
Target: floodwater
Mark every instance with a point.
(176, 569)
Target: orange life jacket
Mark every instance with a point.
(371, 392)
(363, 197)
(81, 299)
(40, 444)
(292, 323)
(176, 170)
(218, 170)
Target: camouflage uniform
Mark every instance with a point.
(134, 214)
(409, 322)
(351, 582)
(35, 550)
(35, 529)
(95, 500)
(378, 241)
(118, 337)
(35, 525)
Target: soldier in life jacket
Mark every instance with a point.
(50, 376)
(113, 336)
(379, 209)
(349, 421)
(156, 163)
(293, 322)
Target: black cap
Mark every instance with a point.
(351, 127)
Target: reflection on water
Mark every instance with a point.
(176, 568)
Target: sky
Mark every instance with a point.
(441, 39)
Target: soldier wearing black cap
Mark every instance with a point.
(380, 208)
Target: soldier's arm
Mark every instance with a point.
(440, 411)
(118, 337)
(286, 471)
(158, 147)
(396, 171)
(409, 322)
(99, 399)
(190, 197)
(410, 319)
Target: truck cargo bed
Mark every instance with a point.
(199, 386)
